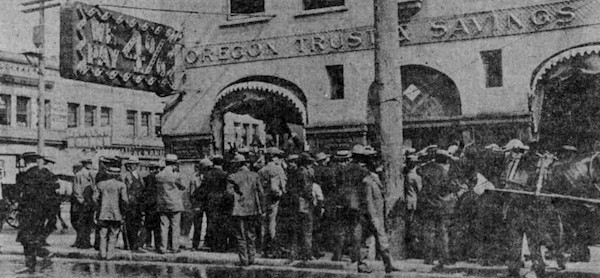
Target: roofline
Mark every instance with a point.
(20, 58)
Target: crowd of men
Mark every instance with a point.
(294, 206)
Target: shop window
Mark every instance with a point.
(47, 113)
(5, 109)
(105, 116)
(246, 6)
(320, 4)
(336, 81)
(492, 63)
(72, 115)
(131, 119)
(146, 124)
(23, 111)
(158, 125)
(90, 115)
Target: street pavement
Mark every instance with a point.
(61, 240)
(60, 244)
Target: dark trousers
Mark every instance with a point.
(133, 227)
(302, 237)
(246, 237)
(437, 239)
(187, 220)
(32, 250)
(197, 219)
(217, 231)
(83, 223)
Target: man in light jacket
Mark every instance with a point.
(111, 196)
(245, 186)
(170, 203)
(274, 180)
(82, 205)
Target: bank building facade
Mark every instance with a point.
(264, 71)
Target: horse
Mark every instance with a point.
(557, 223)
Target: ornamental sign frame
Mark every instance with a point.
(110, 48)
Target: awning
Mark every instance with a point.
(550, 65)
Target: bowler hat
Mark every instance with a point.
(515, 144)
(238, 158)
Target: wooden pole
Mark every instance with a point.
(41, 87)
(548, 195)
(386, 104)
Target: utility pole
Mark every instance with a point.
(385, 100)
(39, 41)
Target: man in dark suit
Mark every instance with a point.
(245, 186)
(38, 185)
(134, 215)
(82, 205)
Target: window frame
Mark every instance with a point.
(8, 109)
(92, 108)
(304, 4)
(232, 14)
(336, 82)
(145, 127)
(76, 116)
(493, 68)
(132, 132)
(47, 114)
(27, 113)
(109, 121)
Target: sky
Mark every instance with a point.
(16, 28)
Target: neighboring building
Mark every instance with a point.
(83, 120)
(482, 70)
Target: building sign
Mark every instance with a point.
(24, 81)
(284, 47)
(507, 22)
(106, 47)
(89, 137)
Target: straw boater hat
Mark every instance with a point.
(132, 160)
(321, 156)
(515, 144)
(274, 151)
(363, 150)
(292, 157)
(171, 159)
(342, 154)
(111, 164)
(205, 162)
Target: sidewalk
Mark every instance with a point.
(60, 245)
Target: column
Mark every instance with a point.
(13, 110)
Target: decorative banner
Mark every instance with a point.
(106, 47)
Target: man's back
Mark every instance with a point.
(246, 186)
(170, 196)
(111, 194)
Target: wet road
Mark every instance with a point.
(64, 268)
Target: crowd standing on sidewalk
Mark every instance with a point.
(282, 204)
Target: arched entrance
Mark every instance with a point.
(566, 99)
(430, 102)
(258, 112)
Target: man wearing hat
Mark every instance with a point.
(82, 205)
(274, 180)
(212, 195)
(38, 185)
(245, 186)
(134, 215)
(370, 217)
(111, 197)
(170, 203)
(198, 198)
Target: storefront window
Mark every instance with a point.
(492, 63)
(90, 115)
(72, 115)
(105, 116)
(23, 111)
(146, 124)
(246, 6)
(4, 109)
(131, 119)
(319, 4)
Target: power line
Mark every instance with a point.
(185, 11)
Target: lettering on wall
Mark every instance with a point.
(506, 22)
(106, 47)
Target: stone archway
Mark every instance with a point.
(565, 97)
(428, 96)
(255, 113)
